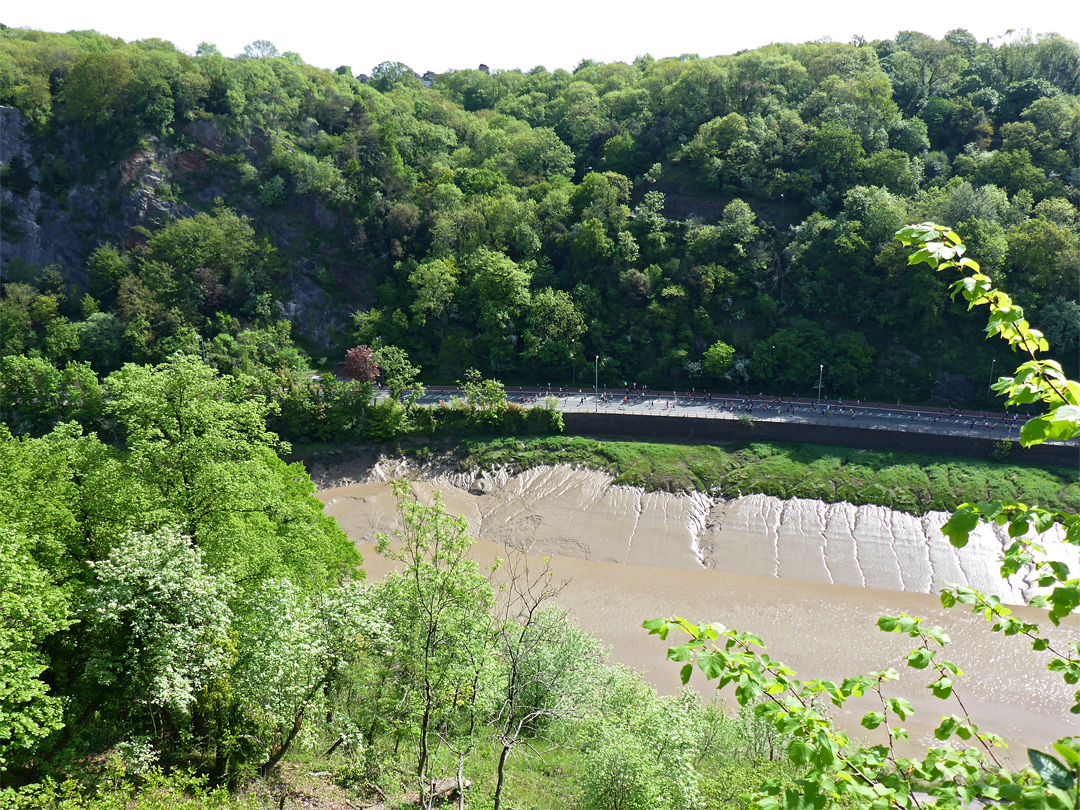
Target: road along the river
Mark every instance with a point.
(676, 416)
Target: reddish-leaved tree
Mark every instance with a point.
(360, 364)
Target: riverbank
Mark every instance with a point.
(911, 483)
(628, 555)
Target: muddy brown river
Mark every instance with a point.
(809, 578)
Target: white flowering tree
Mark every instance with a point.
(294, 651)
(160, 619)
(642, 748)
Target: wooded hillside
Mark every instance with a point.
(524, 223)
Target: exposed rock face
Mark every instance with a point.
(310, 310)
(41, 230)
(953, 389)
(12, 137)
(122, 203)
(33, 228)
(208, 134)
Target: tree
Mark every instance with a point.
(33, 607)
(106, 267)
(205, 261)
(550, 666)
(199, 442)
(434, 283)
(836, 152)
(29, 393)
(260, 49)
(360, 364)
(836, 773)
(719, 359)
(96, 89)
(398, 372)
(387, 75)
(500, 293)
(439, 608)
(488, 395)
(161, 620)
(553, 326)
(642, 747)
(621, 774)
(101, 340)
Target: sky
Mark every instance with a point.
(439, 36)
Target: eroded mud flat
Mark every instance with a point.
(580, 513)
(809, 578)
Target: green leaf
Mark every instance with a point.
(1065, 599)
(900, 707)
(888, 624)
(946, 728)
(799, 751)
(942, 687)
(656, 627)
(960, 525)
(919, 659)
(686, 672)
(1018, 526)
(1052, 772)
(1070, 755)
(872, 719)
(747, 690)
(938, 635)
(712, 664)
(1059, 425)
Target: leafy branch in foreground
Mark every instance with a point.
(1035, 380)
(833, 772)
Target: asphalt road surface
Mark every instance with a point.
(837, 413)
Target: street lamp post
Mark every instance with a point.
(596, 382)
(989, 385)
(821, 368)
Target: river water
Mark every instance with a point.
(809, 578)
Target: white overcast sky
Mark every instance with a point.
(441, 35)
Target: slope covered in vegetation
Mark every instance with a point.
(527, 223)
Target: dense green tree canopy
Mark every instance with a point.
(676, 202)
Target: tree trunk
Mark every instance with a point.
(501, 775)
(461, 781)
(283, 749)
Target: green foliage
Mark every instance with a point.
(398, 373)
(199, 442)
(161, 620)
(479, 250)
(439, 610)
(719, 358)
(425, 187)
(33, 607)
(836, 773)
(481, 393)
(901, 481)
(621, 774)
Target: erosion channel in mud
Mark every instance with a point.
(809, 578)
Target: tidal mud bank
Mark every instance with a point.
(809, 578)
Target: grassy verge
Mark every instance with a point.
(903, 481)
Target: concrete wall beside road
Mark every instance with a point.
(696, 429)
